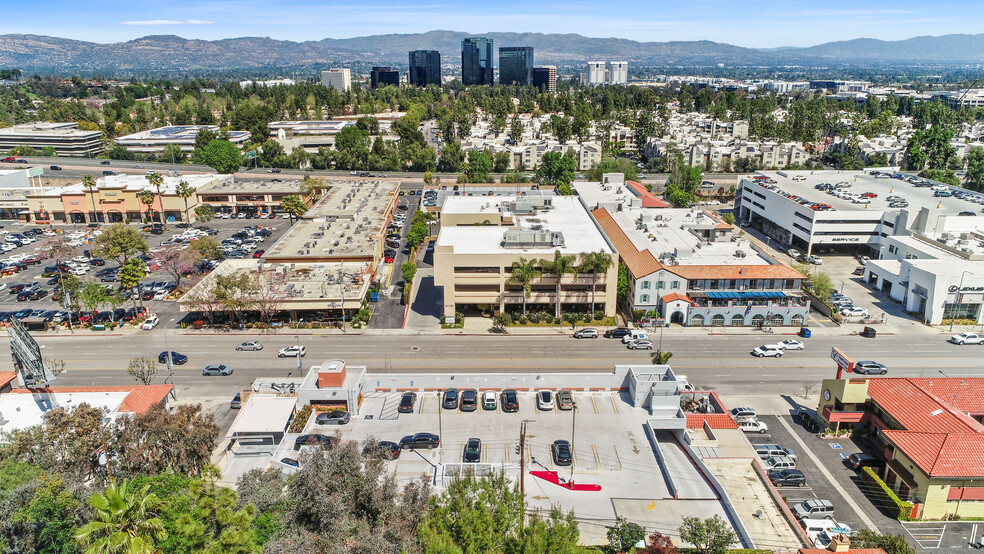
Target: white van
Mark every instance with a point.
(820, 530)
(634, 334)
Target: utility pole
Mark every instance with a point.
(522, 459)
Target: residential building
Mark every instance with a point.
(596, 73)
(687, 265)
(425, 68)
(545, 78)
(116, 199)
(608, 73)
(927, 431)
(477, 61)
(382, 76)
(339, 79)
(516, 65)
(66, 138)
(482, 237)
(268, 83)
(155, 140)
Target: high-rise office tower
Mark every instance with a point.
(516, 65)
(383, 76)
(618, 72)
(425, 68)
(339, 79)
(545, 78)
(476, 61)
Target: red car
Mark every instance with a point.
(31, 260)
(869, 195)
(9, 159)
(258, 253)
(388, 259)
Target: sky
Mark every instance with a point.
(751, 23)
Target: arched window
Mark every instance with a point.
(717, 320)
(777, 320)
(798, 320)
(758, 320)
(737, 320)
(697, 321)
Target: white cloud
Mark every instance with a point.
(169, 22)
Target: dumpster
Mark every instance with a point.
(868, 332)
(374, 297)
(805, 332)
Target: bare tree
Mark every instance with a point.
(270, 292)
(204, 300)
(143, 369)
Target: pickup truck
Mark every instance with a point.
(753, 426)
(967, 338)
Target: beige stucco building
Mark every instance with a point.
(483, 236)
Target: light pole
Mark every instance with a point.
(573, 421)
(297, 337)
(440, 426)
(166, 347)
(953, 316)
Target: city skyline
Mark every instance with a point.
(765, 24)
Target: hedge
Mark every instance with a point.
(904, 507)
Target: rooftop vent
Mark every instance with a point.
(522, 238)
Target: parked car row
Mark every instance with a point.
(467, 400)
(778, 349)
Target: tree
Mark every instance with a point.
(428, 177)
(624, 534)
(89, 182)
(66, 444)
(515, 131)
(661, 358)
(214, 524)
(612, 165)
(728, 218)
(204, 213)
(709, 536)
(174, 261)
(560, 265)
(235, 292)
(223, 156)
(409, 270)
(313, 187)
(622, 287)
(158, 440)
(130, 275)
(92, 296)
(524, 272)
(142, 369)
(822, 285)
(451, 157)
(975, 168)
(124, 521)
(184, 192)
(891, 544)
(352, 144)
(294, 206)
(39, 512)
(658, 543)
(205, 248)
(174, 154)
(595, 263)
(147, 198)
(557, 170)
(156, 180)
(417, 233)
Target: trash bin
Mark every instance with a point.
(374, 297)
(805, 332)
(868, 332)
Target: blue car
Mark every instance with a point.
(176, 358)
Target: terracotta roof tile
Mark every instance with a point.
(714, 421)
(942, 455)
(848, 551)
(639, 262)
(648, 199)
(911, 405)
(778, 271)
(674, 296)
(964, 394)
(140, 399)
(7, 377)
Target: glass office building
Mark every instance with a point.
(383, 76)
(516, 65)
(476, 61)
(425, 68)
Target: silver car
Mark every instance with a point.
(250, 345)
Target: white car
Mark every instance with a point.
(150, 323)
(160, 295)
(962, 338)
(791, 344)
(544, 400)
(79, 271)
(3, 286)
(753, 426)
(854, 311)
(81, 259)
(815, 260)
(767, 350)
(292, 350)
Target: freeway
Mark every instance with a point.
(714, 362)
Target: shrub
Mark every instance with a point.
(300, 420)
(904, 508)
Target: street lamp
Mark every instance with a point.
(953, 316)
(440, 426)
(573, 421)
(297, 337)
(166, 347)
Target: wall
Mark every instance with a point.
(387, 382)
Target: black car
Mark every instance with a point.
(385, 449)
(420, 440)
(561, 452)
(176, 358)
(313, 439)
(407, 402)
(617, 333)
(469, 400)
(108, 173)
(858, 460)
(32, 295)
(787, 478)
(104, 162)
(54, 167)
(473, 451)
(450, 399)
(97, 262)
(510, 401)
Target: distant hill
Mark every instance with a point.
(168, 53)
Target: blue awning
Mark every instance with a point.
(745, 295)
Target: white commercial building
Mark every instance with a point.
(608, 73)
(155, 140)
(65, 138)
(268, 83)
(337, 78)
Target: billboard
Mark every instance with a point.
(26, 355)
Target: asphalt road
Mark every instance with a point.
(715, 362)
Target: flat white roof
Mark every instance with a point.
(567, 216)
(263, 413)
(22, 411)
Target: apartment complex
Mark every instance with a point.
(688, 266)
(516, 65)
(66, 138)
(339, 79)
(482, 237)
(425, 68)
(477, 62)
(382, 76)
(116, 199)
(608, 73)
(155, 140)
(545, 78)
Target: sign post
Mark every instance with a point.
(843, 362)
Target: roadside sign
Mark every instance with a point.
(843, 362)
(35, 171)
(251, 154)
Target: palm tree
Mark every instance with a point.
(147, 198)
(595, 263)
(124, 521)
(524, 272)
(560, 266)
(89, 182)
(661, 358)
(157, 180)
(184, 191)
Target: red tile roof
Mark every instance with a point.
(674, 296)
(848, 551)
(714, 421)
(7, 377)
(140, 399)
(648, 200)
(779, 271)
(911, 405)
(942, 455)
(964, 394)
(639, 262)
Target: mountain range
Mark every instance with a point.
(169, 53)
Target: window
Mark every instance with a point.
(717, 320)
(470, 269)
(644, 299)
(777, 320)
(697, 320)
(758, 320)
(737, 320)
(458, 287)
(797, 320)
(790, 284)
(646, 285)
(675, 285)
(660, 284)
(891, 248)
